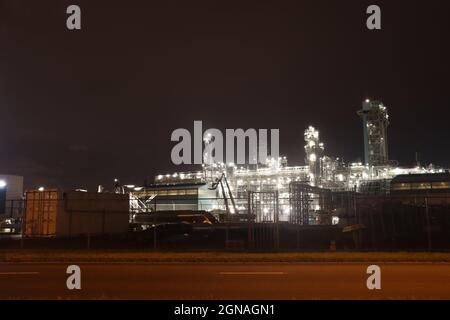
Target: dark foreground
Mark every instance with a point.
(225, 281)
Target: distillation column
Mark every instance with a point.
(313, 149)
(375, 122)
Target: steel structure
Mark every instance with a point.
(320, 171)
(263, 206)
(308, 202)
(375, 122)
(313, 150)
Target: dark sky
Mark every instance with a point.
(80, 108)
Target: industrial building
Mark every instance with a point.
(283, 184)
(415, 188)
(171, 197)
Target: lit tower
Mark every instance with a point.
(313, 149)
(375, 122)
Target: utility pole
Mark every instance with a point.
(427, 214)
(154, 231)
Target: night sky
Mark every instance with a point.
(78, 108)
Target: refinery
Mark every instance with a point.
(326, 201)
(226, 187)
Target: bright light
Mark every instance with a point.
(334, 220)
(367, 100)
(312, 157)
(41, 189)
(2, 183)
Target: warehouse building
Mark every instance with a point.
(415, 188)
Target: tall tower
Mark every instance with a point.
(313, 149)
(375, 122)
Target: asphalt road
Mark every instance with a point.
(225, 281)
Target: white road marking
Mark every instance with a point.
(16, 273)
(252, 273)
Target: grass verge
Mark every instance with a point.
(8, 256)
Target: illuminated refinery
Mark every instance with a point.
(228, 187)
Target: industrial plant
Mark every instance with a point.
(322, 204)
(227, 187)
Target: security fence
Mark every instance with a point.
(306, 219)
